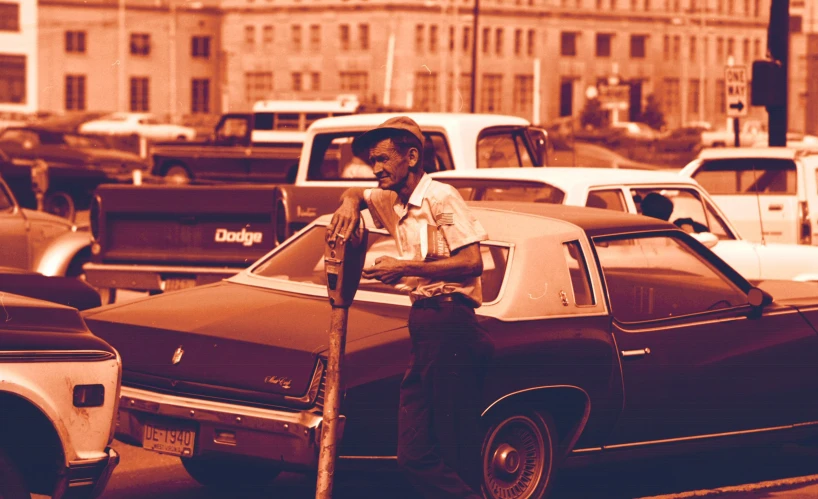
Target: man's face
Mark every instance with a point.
(390, 167)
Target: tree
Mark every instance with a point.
(593, 115)
(653, 115)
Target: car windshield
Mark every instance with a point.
(82, 141)
(506, 190)
(302, 260)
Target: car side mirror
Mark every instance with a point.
(708, 239)
(758, 298)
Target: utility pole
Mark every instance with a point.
(174, 109)
(121, 83)
(778, 47)
(475, 23)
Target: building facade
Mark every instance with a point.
(18, 56)
(539, 59)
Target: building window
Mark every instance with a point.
(647, 5)
(452, 36)
(745, 50)
(9, 16)
(566, 97)
(613, 4)
(693, 96)
(75, 41)
(677, 47)
(466, 39)
(721, 106)
(671, 94)
(491, 93)
(315, 38)
(267, 36)
(756, 48)
(463, 102)
(731, 6)
(531, 41)
(363, 36)
(295, 37)
(486, 40)
(638, 46)
(419, 31)
(200, 47)
(568, 44)
(140, 94)
(200, 96)
(315, 80)
(692, 48)
(433, 38)
(140, 43)
(250, 37)
(426, 90)
(523, 93)
(598, 4)
(720, 6)
(297, 82)
(603, 44)
(343, 36)
(498, 41)
(719, 49)
(355, 82)
(257, 86)
(518, 41)
(75, 92)
(756, 8)
(731, 47)
(666, 47)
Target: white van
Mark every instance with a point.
(287, 120)
(769, 193)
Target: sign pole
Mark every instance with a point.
(736, 132)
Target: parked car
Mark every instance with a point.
(66, 291)
(77, 165)
(769, 193)
(636, 130)
(142, 124)
(624, 190)
(616, 335)
(751, 131)
(59, 391)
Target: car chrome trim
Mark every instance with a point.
(693, 438)
(631, 327)
(160, 268)
(368, 458)
(55, 355)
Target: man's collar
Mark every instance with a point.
(416, 199)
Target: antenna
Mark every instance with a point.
(758, 202)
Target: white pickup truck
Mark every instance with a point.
(164, 237)
(769, 193)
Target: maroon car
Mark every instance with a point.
(616, 335)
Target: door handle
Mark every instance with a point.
(775, 207)
(626, 354)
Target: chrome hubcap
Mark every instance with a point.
(506, 459)
(516, 459)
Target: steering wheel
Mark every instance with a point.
(714, 306)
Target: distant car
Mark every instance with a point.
(623, 190)
(636, 130)
(142, 124)
(59, 393)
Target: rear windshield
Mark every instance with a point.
(506, 190)
(748, 176)
(302, 260)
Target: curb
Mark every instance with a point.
(736, 489)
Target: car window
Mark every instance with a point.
(302, 260)
(505, 190)
(331, 157)
(504, 149)
(5, 201)
(80, 141)
(578, 269)
(608, 199)
(233, 128)
(748, 176)
(150, 121)
(688, 210)
(657, 277)
(717, 225)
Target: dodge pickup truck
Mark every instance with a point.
(165, 237)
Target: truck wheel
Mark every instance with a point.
(59, 203)
(12, 483)
(518, 456)
(229, 473)
(177, 174)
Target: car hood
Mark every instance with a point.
(237, 341)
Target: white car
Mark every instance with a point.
(623, 190)
(143, 124)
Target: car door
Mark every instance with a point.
(759, 195)
(696, 360)
(229, 158)
(14, 250)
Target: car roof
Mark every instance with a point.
(570, 177)
(436, 120)
(748, 152)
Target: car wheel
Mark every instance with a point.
(181, 137)
(230, 473)
(12, 483)
(177, 174)
(518, 456)
(59, 203)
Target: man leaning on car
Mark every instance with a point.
(438, 443)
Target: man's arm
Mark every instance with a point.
(464, 262)
(348, 215)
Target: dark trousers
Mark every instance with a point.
(438, 420)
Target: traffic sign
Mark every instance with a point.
(735, 90)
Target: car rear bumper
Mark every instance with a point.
(86, 479)
(153, 277)
(291, 438)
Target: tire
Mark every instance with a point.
(177, 174)
(59, 203)
(12, 483)
(519, 450)
(230, 473)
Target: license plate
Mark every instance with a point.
(168, 439)
(175, 284)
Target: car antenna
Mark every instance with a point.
(758, 202)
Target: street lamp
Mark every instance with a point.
(474, 28)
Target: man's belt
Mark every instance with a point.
(437, 300)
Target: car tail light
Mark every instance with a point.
(806, 226)
(89, 395)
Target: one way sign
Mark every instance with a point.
(735, 90)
